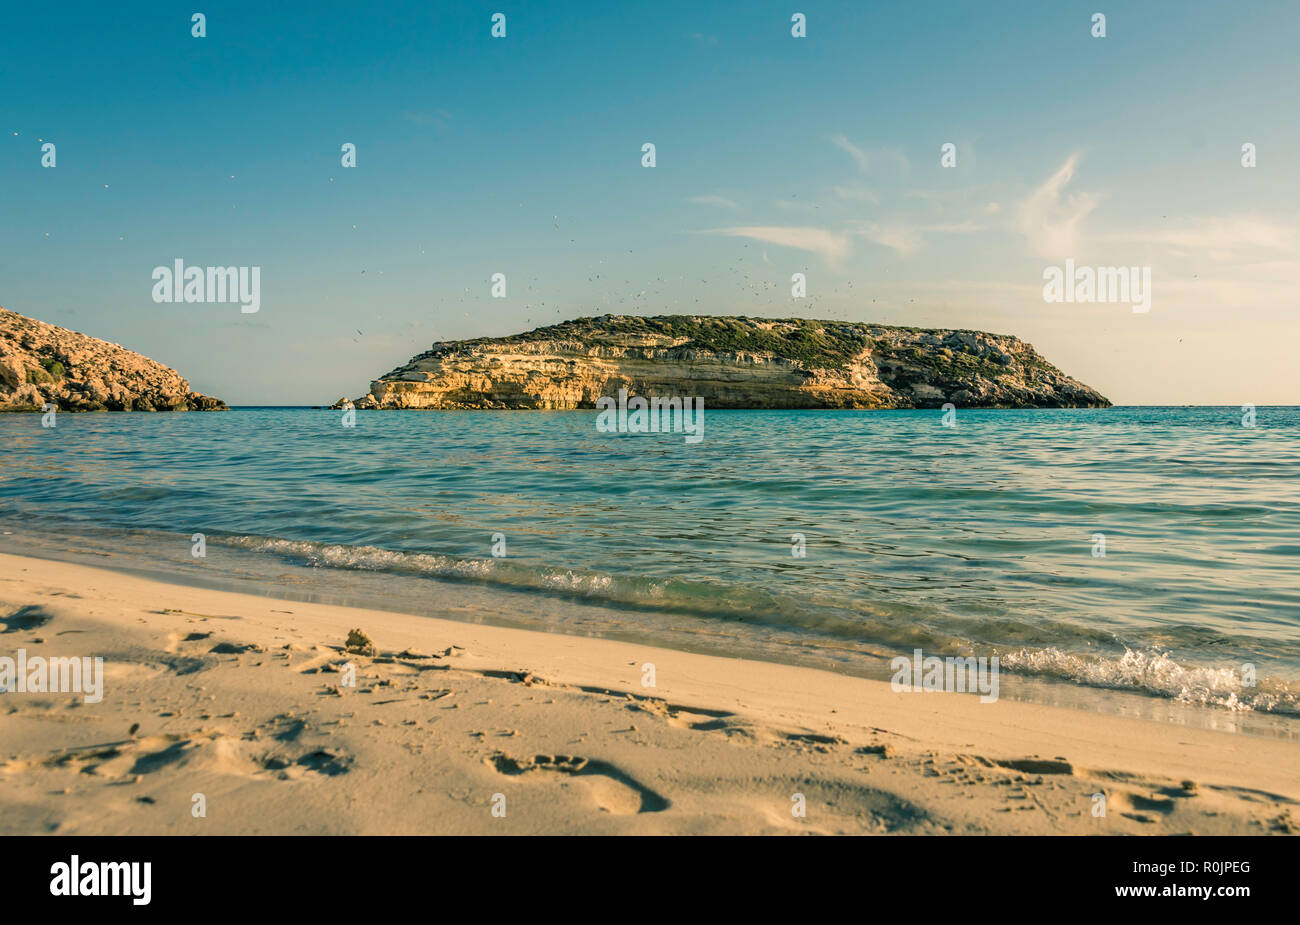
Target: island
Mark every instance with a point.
(730, 363)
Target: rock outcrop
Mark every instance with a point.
(42, 364)
(731, 363)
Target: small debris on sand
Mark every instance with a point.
(359, 644)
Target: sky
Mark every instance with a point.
(774, 155)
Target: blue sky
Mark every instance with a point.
(775, 155)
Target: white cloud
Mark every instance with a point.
(714, 200)
(830, 246)
(1051, 222)
(907, 239)
(1220, 238)
(859, 156)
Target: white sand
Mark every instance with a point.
(560, 726)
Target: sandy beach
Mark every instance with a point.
(239, 706)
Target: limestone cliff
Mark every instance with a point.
(42, 364)
(732, 363)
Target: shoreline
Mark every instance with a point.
(229, 568)
(237, 698)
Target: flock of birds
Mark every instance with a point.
(738, 277)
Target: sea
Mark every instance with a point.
(1138, 560)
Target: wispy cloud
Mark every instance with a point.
(1219, 238)
(1051, 221)
(908, 239)
(713, 199)
(859, 156)
(828, 245)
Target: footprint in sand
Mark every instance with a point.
(696, 718)
(204, 751)
(613, 790)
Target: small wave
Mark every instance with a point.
(702, 598)
(434, 565)
(1151, 672)
(1155, 672)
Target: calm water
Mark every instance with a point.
(976, 539)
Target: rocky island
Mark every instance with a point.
(731, 362)
(43, 364)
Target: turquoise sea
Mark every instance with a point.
(974, 539)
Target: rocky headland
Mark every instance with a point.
(43, 364)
